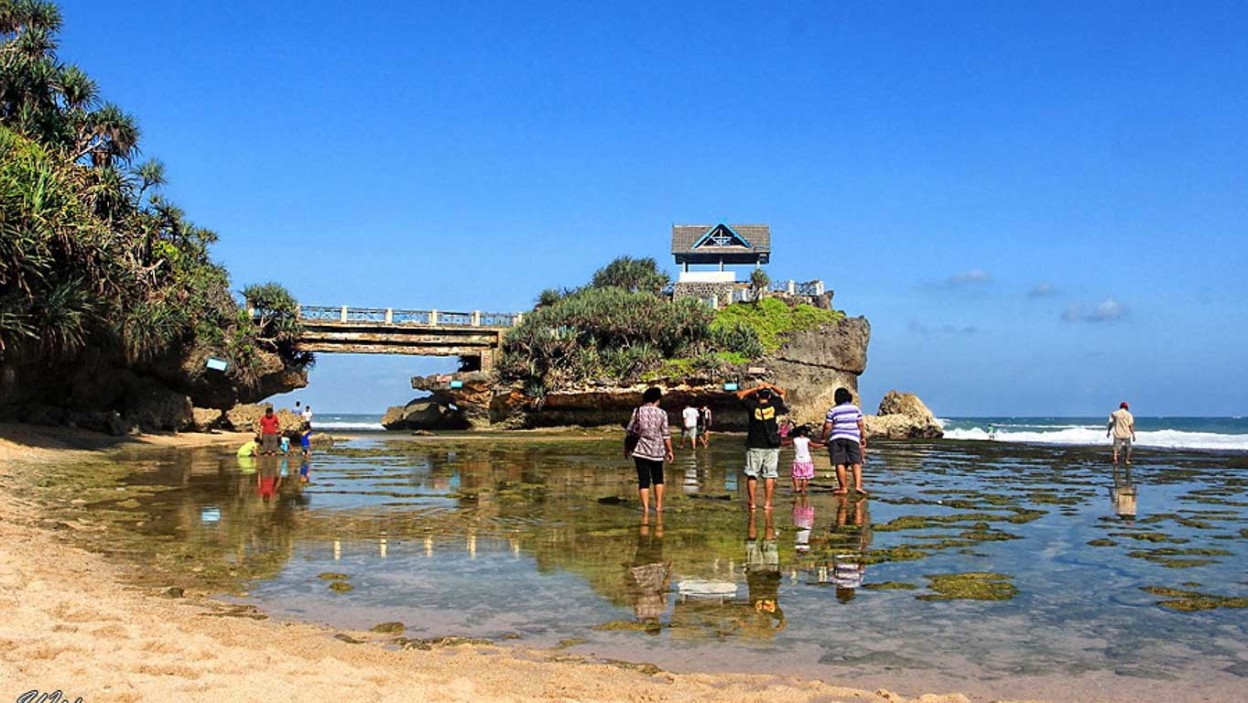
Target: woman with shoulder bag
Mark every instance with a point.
(653, 445)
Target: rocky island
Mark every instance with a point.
(563, 366)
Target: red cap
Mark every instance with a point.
(1123, 404)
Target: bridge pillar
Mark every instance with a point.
(476, 318)
(487, 359)
(343, 316)
(433, 317)
(389, 316)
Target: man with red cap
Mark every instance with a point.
(1122, 426)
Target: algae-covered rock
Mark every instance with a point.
(890, 586)
(972, 585)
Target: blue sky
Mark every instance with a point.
(1039, 206)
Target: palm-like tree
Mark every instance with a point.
(109, 135)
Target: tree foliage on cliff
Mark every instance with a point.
(619, 328)
(92, 255)
(636, 275)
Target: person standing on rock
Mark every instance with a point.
(845, 433)
(764, 404)
(1122, 426)
(654, 445)
(270, 428)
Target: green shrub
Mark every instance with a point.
(636, 275)
(771, 319)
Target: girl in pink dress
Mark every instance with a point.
(803, 463)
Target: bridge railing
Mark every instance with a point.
(394, 316)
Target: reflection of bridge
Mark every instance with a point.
(472, 335)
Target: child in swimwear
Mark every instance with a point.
(803, 463)
(305, 439)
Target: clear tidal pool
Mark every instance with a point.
(973, 566)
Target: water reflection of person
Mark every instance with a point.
(851, 535)
(1124, 494)
(803, 522)
(268, 479)
(305, 469)
(649, 575)
(762, 576)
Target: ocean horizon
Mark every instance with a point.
(1203, 433)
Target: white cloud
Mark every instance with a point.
(972, 276)
(1107, 310)
(919, 328)
(1042, 289)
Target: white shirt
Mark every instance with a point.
(307, 414)
(690, 416)
(801, 449)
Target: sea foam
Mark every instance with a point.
(1082, 435)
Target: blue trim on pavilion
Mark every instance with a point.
(738, 240)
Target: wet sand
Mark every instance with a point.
(74, 623)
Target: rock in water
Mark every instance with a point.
(423, 414)
(903, 416)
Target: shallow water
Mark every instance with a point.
(981, 567)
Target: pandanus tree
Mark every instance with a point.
(92, 255)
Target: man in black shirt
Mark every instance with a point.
(764, 404)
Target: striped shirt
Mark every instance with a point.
(844, 419)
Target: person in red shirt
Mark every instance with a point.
(270, 430)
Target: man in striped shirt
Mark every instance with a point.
(845, 433)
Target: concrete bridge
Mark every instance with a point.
(345, 330)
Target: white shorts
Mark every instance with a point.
(762, 461)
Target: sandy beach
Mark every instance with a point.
(74, 623)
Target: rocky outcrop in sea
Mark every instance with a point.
(810, 365)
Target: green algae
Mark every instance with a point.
(893, 554)
(333, 576)
(388, 628)
(1102, 543)
(890, 586)
(1154, 537)
(1191, 601)
(642, 667)
(1173, 558)
(1051, 498)
(341, 587)
(624, 626)
(927, 522)
(430, 643)
(1023, 515)
(972, 585)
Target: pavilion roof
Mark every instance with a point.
(717, 240)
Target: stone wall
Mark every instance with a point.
(722, 292)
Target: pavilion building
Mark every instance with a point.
(704, 253)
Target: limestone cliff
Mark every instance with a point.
(172, 393)
(812, 364)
